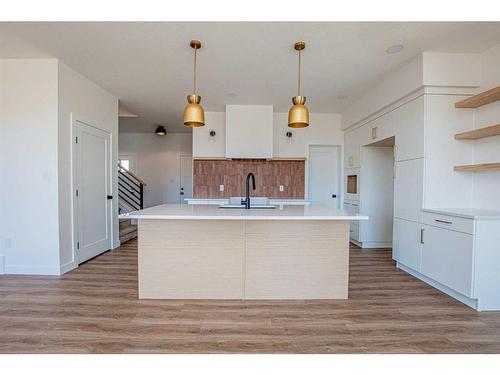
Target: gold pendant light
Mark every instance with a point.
(194, 116)
(298, 115)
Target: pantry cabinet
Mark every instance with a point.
(408, 189)
(409, 130)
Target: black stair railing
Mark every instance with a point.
(130, 189)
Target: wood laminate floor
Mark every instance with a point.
(94, 309)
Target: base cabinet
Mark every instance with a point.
(447, 257)
(407, 247)
(456, 254)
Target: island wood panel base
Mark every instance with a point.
(232, 259)
(191, 259)
(297, 259)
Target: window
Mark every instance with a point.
(124, 163)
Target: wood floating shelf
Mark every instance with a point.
(488, 131)
(481, 99)
(476, 167)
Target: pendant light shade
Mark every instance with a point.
(194, 116)
(298, 115)
(161, 131)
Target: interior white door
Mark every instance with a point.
(186, 178)
(93, 190)
(324, 175)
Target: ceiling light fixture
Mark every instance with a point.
(194, 116)
(161, 131)
(395, 49)
(298, 115)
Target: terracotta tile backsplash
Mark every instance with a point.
(208, 175)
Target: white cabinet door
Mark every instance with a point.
(386, 127)
(409, 127)
(408, 189)
(406, 246)
(447, 257)
(351, 149)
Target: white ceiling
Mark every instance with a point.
(148, 65)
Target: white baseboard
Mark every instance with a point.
(68, 267)
(371, 244)
(376, 244)
(116, 244)
(32, 270)
(460, 297)
(2, 264)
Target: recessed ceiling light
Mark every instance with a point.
(395, 49)
(231, 95)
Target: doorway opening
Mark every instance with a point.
(377, 194)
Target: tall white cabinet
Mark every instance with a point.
(452, 257)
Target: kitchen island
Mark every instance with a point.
(207, 252)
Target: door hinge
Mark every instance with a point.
(78, 245)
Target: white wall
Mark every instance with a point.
(486, 184)
(82, 100)
(158, 162)
(38, 98)
(29, 222)
(428, 69)
(324, 128)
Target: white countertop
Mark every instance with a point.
(467, 213)
(314, 211)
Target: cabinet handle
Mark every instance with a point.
(443, 221)
(422, 235)
(374, 133)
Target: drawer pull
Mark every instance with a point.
(443, 221)
(422, 235)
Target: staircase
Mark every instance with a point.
(128, 231)
(130, 198)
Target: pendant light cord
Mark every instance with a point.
(298, 93)
(194, 75)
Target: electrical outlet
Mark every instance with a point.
(282, 188)
(221, 187)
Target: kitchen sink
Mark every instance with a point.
(241, 206)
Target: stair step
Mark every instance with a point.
(125, 223)
(127, 230)
(128, 237)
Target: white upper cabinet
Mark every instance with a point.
(249, 131)
(352, 149)
(409, 128)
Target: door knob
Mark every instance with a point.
(182, 193)
(334, 195)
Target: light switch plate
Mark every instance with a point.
(221, 187)
(282, 188)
